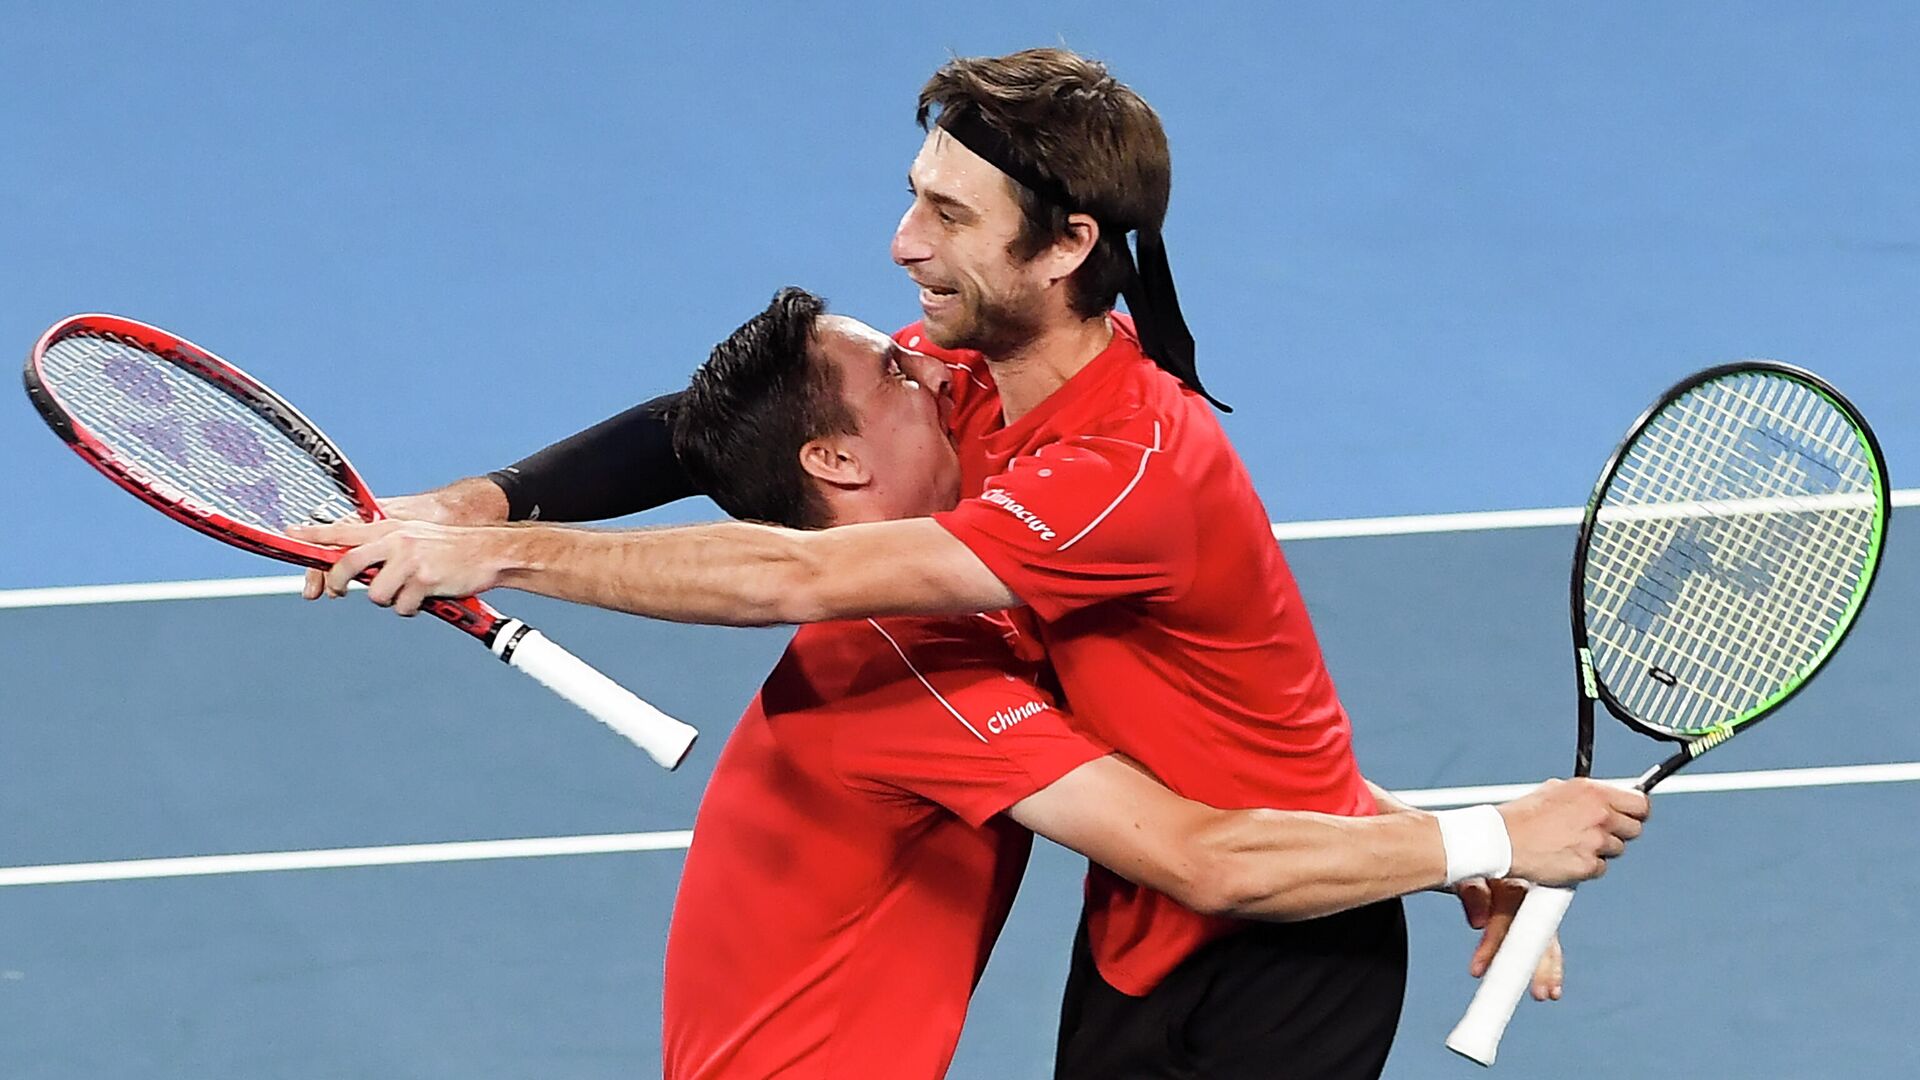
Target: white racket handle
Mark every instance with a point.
(1477, 1035)
(665, 739)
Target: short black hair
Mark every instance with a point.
(757, 400)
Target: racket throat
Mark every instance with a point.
(1589, 693)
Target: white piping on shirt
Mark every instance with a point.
(1147, 452)
(971, 374)
(923, 681)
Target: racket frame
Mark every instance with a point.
(1477, 1036)
(1592, 687)
(470, 615)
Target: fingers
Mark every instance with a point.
(1504, 896)
(386, 585)
(1633, 804)
(411, 598)
(1549, 979)
(356, 562)
(415, 508)
(340, 533)
(363, 538)
(1625, 827)
(1623, 800)
(1476, 899)
(1497, 926)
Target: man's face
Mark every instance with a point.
(898, 398)
(955, 242)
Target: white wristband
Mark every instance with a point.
(1475, 841)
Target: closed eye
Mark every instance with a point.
(893, 367)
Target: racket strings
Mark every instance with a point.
(1749, 664)
(1678, 573)
(188, 437)
(1773, 641)
(1729, 551)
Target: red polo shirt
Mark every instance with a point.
(850, 866)
(1120, 514)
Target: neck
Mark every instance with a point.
(854, 507)
(1031, 373)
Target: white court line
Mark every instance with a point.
(473, 850)
(1689, 783)
(1476, 521)
(336, 858)
(1331, 529)
(135, 592)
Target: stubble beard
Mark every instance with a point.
(992, 327)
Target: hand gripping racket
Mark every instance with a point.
(1728, 547)
(204, 443)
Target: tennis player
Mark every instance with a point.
(860, 842)
(1102, 496)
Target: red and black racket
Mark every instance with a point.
(206, 444)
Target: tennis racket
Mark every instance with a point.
(204, 443)
(1727, 549)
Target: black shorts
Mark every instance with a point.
(1315, 1000)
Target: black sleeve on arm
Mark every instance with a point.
(622, 465)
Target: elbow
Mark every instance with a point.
(1236, 875)
(1210, 898)
(1213, 876)
(1219, 886)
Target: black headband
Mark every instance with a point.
(1149, 289)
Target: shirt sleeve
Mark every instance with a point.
(1081, 521)
(974, 740)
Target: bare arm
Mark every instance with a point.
(1271, 864)
(1287, 865)
(730, 573)
(734, 572)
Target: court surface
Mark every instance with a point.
(1753, 933)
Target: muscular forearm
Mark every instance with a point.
(739, 574)
(1281, 865)
(1278, 865)
(731, 574)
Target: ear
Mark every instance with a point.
(1070, 252)
(837, 460)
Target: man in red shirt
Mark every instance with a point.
(1104, 497)
(859, 845)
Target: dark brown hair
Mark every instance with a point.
(1080, 127)
(758, 399)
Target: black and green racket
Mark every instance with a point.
(1727, 549)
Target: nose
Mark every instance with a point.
(909, 239)
(931, 374)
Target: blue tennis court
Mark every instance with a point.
(525, 966)
(1437, 256)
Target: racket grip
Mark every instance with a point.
(664, 739)
(1477, 1035)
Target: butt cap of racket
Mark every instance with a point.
(664, 739)
(1477, 1036)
